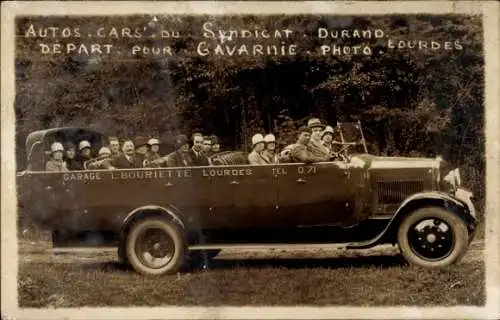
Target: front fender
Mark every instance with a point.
(460, 204)
(464, 210)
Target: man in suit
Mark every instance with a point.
(70, 157)
(114, 146)
(207, 146)
(196, 151)
(128, 159)
(315, 145)
(299, 151)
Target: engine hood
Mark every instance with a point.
(379, 162)
(403, 162)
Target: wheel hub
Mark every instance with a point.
(155, 248)
(431, 239)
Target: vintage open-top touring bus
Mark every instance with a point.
(159, 218)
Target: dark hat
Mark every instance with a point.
(214, 139)
(315, 122)
(303, 129)
(181, 140)
(140, 141)
(70, 145)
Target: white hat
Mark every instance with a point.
(153, 141)
(328, 129)
(104, 150)
(83, 144)
(257, 138)
(56, 146)
(270, 138)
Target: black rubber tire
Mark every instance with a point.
(175, 234)
(459, 231)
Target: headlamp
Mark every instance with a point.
(453, 178)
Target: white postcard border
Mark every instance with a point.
(490, 12)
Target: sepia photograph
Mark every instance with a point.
(214, 159)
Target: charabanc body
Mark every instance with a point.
(159, 217)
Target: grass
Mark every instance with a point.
(377, 279)
(361, 281)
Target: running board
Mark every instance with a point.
(242, 246)
(270, 246)
(67, 250)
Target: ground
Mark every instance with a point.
(374, 277)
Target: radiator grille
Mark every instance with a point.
(391, 192)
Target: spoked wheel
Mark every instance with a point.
(155, 247)
(433, 237)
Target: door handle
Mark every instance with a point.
(234, 182)
(168, 184)
(48, 188)
(300, 180)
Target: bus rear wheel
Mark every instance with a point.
(155, 246)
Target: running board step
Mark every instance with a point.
(242, 246)
(270, 246)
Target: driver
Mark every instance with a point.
(315, 145)
(299, 152)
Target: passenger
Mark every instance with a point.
(196, 151)
(215, 144)
(181, 156)
(207, 146)
(114, 146)
(70, 157)
(84, 154)
(152, 155)
(285, 155)
(299, 151)
(104, 152)
(99, 162)
(327, 137)
(127, 160)
(270, 151)
(315, 144)
(255, 157)
(56, 163)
